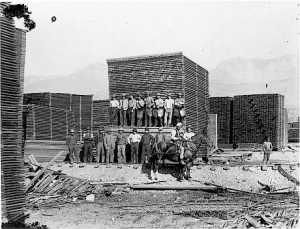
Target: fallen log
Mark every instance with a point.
(39, 173)
(170, 187)
(289, 177)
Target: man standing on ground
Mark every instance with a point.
(134, 140)
(114, 106)
(267, 149)
(88, 139)
(176, 137)
(159, 104)
(169, 105)
(131, 110)
(109, 143)
(147, 141)
(149, 102)
(100, 146)
(160, 136)
(123, 110)
(140, 110)
(72, 146)
(121, 140)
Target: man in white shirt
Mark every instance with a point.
(169, 105)
(188, 134)
(176, 136)
(159, 104)
(123, 106)
(139, 110)
(134, 140)
(114, 106)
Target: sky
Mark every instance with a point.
(206, 32)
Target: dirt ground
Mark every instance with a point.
(235, 177)
(102, 214)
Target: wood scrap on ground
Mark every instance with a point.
(289, 177)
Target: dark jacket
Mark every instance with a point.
(147, 139)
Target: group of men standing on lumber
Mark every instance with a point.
(136, 110)
(106, 143)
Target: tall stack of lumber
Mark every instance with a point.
(257, 116)
(222, 106)
(285, 127)
(12, 81)
(80, 104)
(100, 113)
(293, 131)
(164, 73)
(47, 123)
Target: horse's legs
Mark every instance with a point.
(151, 169)
(181, 173)
(188, 171)
(156, 170)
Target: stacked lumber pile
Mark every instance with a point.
(100, 113)
(257, 116)
(12, 79)
(222, 106)
(47, 123)
(81, 105)
(293, 135)
(163, 73)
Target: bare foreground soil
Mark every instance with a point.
(151, 209)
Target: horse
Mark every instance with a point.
(168, 150)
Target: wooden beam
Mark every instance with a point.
(39, 173)
(170, 187)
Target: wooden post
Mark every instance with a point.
(39, 173)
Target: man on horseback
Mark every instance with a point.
(176, 137)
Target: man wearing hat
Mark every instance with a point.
(169, 105)
(121, 141)
(139, 110)
(159, 104)
(123, 109)
(100, 145)
(176, 137)
(131, 110)
(114, 106)
(179, 107)
(88, 139)
(109, 143)
(134, 140)
(160, 136)
(72, 146)
(149, 103)
(147, 141)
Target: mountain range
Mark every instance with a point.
(231, 77)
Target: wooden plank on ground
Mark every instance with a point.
(39, 173)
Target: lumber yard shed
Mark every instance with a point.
(13, 48)
(164, 73)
